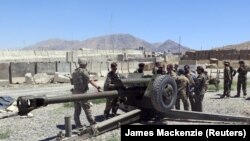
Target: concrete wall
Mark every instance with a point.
(52, 56)
(49, 62)
(96, 67)
(20, 69)
(46, 67)
(125, 67)
(192, 64)
(119, 67)
(62, 67)
(133, 66)
(4, 71)
(104, 68)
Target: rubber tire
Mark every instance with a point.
(158, 87)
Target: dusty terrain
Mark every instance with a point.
(48, 121)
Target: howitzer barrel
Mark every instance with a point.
(79, 97)
(26, 104)
(136, 80)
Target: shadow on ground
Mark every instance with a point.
(49, 138)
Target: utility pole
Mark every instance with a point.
(112, 42)
(179, 44)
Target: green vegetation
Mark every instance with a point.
(68, 104)
(113, 138)
(96, 101)
(4, 134)
(211, 88)
(233, 87)
(99, 101)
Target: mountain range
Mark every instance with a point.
(241, 46)
(114, 41)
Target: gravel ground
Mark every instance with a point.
(48, 121)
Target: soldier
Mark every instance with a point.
(199, 89)
(176, 66)
(242, 78)
(140, 69)
(227, 79)
(182, 85)
(170, 71)
(161, 70)
(190, 93)
(111, 103)
(207, 80)
(157, 65)
(80, 80)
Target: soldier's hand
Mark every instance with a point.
(99, 89)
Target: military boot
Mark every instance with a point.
(106, 115)
(245, 94)
(222, 96)
(236, 96)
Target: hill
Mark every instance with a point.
(114, 41)
(241, 46)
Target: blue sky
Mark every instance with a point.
(200, 23)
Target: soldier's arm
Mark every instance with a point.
(95, 85)
(198, 83)
(228, 73)
(188, 88)
(191, 80)
(243, 70)
(178, 82)
(86, 76)
(108, 83)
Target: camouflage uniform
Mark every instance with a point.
(172, 74)
(182, 85)
(154, 70)
(199, 89)
(176, 66)
(80, 80)
(190, 91)
(156, 67)
(111, 103)
(207, 80)
(227, 81)
(242, 80)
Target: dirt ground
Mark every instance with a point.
(48, 121)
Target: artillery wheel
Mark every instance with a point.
(164, 93)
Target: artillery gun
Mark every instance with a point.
(141, 97)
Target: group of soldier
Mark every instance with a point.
(80, 79)
(229, 73)
(191, 86)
